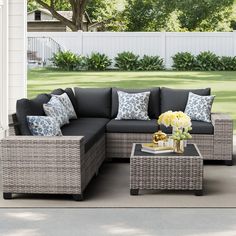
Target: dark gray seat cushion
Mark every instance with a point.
(26, 107)
(176, 99)
(153, 106)
(199, 127)
(70, 94)
(132, 126)
(93, 102)
(91, 128)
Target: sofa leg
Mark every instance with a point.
(134, 192)
(78, 197)
(229, 162)
(7, 196)
(97, 172)
(198, 192)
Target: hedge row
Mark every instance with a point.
(125, 61)
(205, 61)
(128, 61)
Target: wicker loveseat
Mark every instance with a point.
(65, 165)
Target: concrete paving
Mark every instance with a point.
(123, 221)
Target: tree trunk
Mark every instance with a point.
(78, 15)
(79, 22)
(78, 9)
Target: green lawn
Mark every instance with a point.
(223, 84)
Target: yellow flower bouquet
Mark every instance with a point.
(181, 124)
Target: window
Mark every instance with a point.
(37, 15)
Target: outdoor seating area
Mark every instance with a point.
(66, 162)
(114, 115)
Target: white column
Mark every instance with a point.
(3, 67)
(17, 52)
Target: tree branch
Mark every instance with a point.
(80, 9)
(55, 14)
(52, 3)
(84, 4)
(73, 6)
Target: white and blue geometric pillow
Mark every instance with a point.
(199, 107)
(55, 109)
(66, 102)
(133, 106)
(43, 126)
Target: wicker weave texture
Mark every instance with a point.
(205, 144)
(223, 136)
(218, 146)
(48, 164)
(93, 160)
(163, 172)
(119, 145)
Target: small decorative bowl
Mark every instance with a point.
(159, 136)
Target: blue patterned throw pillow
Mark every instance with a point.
(199, 107)
(133, 106)
(66, 102)
(43, 126)
(56, 110)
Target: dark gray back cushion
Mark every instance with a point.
(153, 106)
(70, 94)
(93, 102)
(26, 107)
(176, 99)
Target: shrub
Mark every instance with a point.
(228, 63)
(207, 61)
(127, 61)
(97, 62)
(67, 61)
(151, 63)
(183, 61)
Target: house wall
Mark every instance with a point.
(47, 26)
(38, 26)
(44, 16)
(17, 51)
(164, 44)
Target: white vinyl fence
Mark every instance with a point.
(164, 44)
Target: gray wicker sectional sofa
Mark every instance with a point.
(66, 164)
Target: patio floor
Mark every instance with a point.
(115, 222)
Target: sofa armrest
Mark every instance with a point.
(223, 137)
(45, 148)
(223, 126)
(33, 164)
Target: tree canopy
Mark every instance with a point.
(204, 15)
(147, 15)
(189, 15)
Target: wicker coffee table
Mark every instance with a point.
(166, 171)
